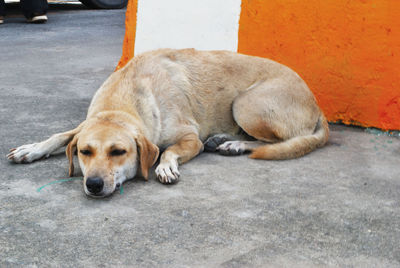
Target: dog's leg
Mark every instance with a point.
(284, 113)
(30, 152)
(185, 149)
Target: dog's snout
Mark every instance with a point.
(95, 185)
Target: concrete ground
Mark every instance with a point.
(338, 206)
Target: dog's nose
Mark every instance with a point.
(94, 185)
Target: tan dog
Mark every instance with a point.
(178, 99)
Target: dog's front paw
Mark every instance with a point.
(26, 153)
(167, 173)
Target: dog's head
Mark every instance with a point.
(108, 155)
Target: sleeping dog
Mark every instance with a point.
(184, 102)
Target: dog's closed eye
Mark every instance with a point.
(117, 152)
(85, 152)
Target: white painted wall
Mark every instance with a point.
(200, 24)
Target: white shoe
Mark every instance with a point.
(38, 19)
(1, 19)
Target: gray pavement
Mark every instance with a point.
(338, 206)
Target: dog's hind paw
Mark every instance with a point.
(212, 143)
(232, 148)
(167, 173)
(26, 153)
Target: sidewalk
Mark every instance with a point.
(338, 206)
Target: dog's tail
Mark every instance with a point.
(296, 146)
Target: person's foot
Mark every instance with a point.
(38, 19)
(1, 19)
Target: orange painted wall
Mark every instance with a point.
(348, 52)
(128, 46)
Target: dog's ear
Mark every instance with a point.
(148, 154)
(71, 148)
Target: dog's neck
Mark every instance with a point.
(127, 96)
